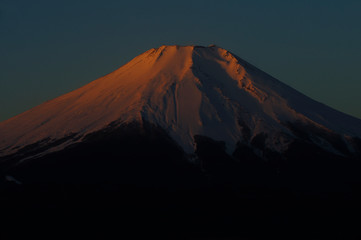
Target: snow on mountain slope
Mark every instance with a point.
(187, 91)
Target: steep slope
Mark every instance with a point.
(187, 91)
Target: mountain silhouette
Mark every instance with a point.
(193, 139)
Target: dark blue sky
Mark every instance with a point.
(48, 48)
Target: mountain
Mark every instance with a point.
(187, 91)
(187, 122)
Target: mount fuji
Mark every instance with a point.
(186, 91)
(180, 123)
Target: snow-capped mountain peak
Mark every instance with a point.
(186, 90)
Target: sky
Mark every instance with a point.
(48, 48)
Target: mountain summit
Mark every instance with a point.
(187, 91)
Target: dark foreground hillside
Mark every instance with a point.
(135, 181)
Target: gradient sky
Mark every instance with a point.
(49, 48)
